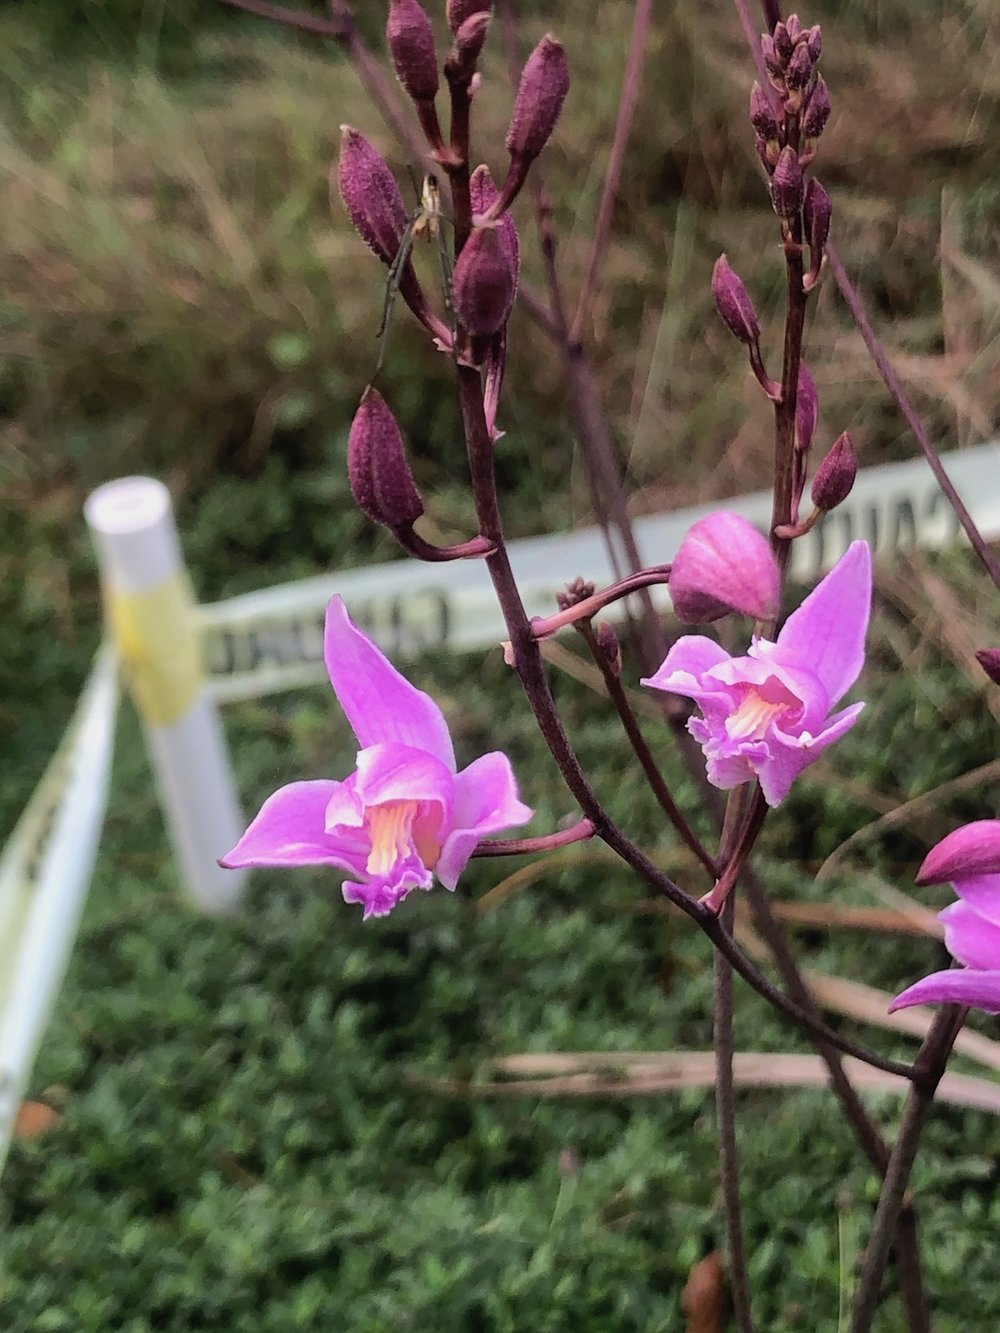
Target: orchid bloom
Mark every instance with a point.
(968, 859)
(405, 816)
(766, 715)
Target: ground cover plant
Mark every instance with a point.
(627, 1221)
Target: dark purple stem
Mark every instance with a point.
(589, 607)
(548, 842)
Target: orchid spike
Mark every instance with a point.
(765, 715)
(405, 816)
(968, 858)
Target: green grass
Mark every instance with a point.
(241, 1144)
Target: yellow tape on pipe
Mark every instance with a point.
(160, 647)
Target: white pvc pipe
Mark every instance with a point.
(151, 615)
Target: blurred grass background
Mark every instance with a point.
(239, 1149)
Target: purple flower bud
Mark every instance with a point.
(542, 91)
(969, 851)
(724, 564)
(459, 11)
(371, 196)
(787, 185)
(483, 192)
(377, 467)
(816, 211)
(762, 116)
(817, 112)
(814, 40)
(411, 45)
(806, 409)
(733, 304)
(469, 42)
(989, 660)
(767, 151)
(608, 644)
(800, 67)
(794, 26)
(782, 42)
(834, 480)
(484, 283)
(772, 61)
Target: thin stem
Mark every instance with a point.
(656, 780)
(627, 102)
(725, 1108)
(549, 842)
(931, 1062)
(531, 672)
(892, 382)
(544, 626)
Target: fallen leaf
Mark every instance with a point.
(704, 1297)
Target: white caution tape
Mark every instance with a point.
(272, 640)
(45, 872)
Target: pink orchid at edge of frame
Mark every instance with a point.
(406, 815)
(969, 860)
(766, 715)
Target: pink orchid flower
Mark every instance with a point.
(968, 859)
(406, 815)
(766, 715)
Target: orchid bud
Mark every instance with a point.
(460, 11)
(967, 852)
(609, 646)
(806, 409)
(762, 116)
(816, 212)
(371, 196)
(835, 477)
(989, 660)
(411, 45)
(814, 40)
(469, 42)
(767, 151)
(782, 42)
(800, 68)
(787, 185)
(484, 283)
(733, 304)
(483, 192)
(377, 466)
(542, 91)
(817, 111)
(724, 564)
(772, 60)
(794, 26)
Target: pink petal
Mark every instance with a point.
(970, 938)
(486, 802)
(982, 893)
(827, 632)
(973, 849)
(791, 755)
(965, 986)
(381, 705)
(379, 896)
(685, 664)
(724, 564)
(290, 831)
(399, 773)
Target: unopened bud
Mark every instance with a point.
(469, 42)
(610, 648)
(460, 11)
(816, 212)
(989, 660)
(800, 68)
(483, 192)
(724, 564)
(411, 45)
(787, 185)
(542, 91)
(794, 27)
(806, 409)
(782, 42)
(966, 853)
(377, 466)
(814, 40)
(834, 480)
(371, 196)
(733, 304)
(772, 61)
(817, 112)
(484, 283)
(767, 151)
(762, 116)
